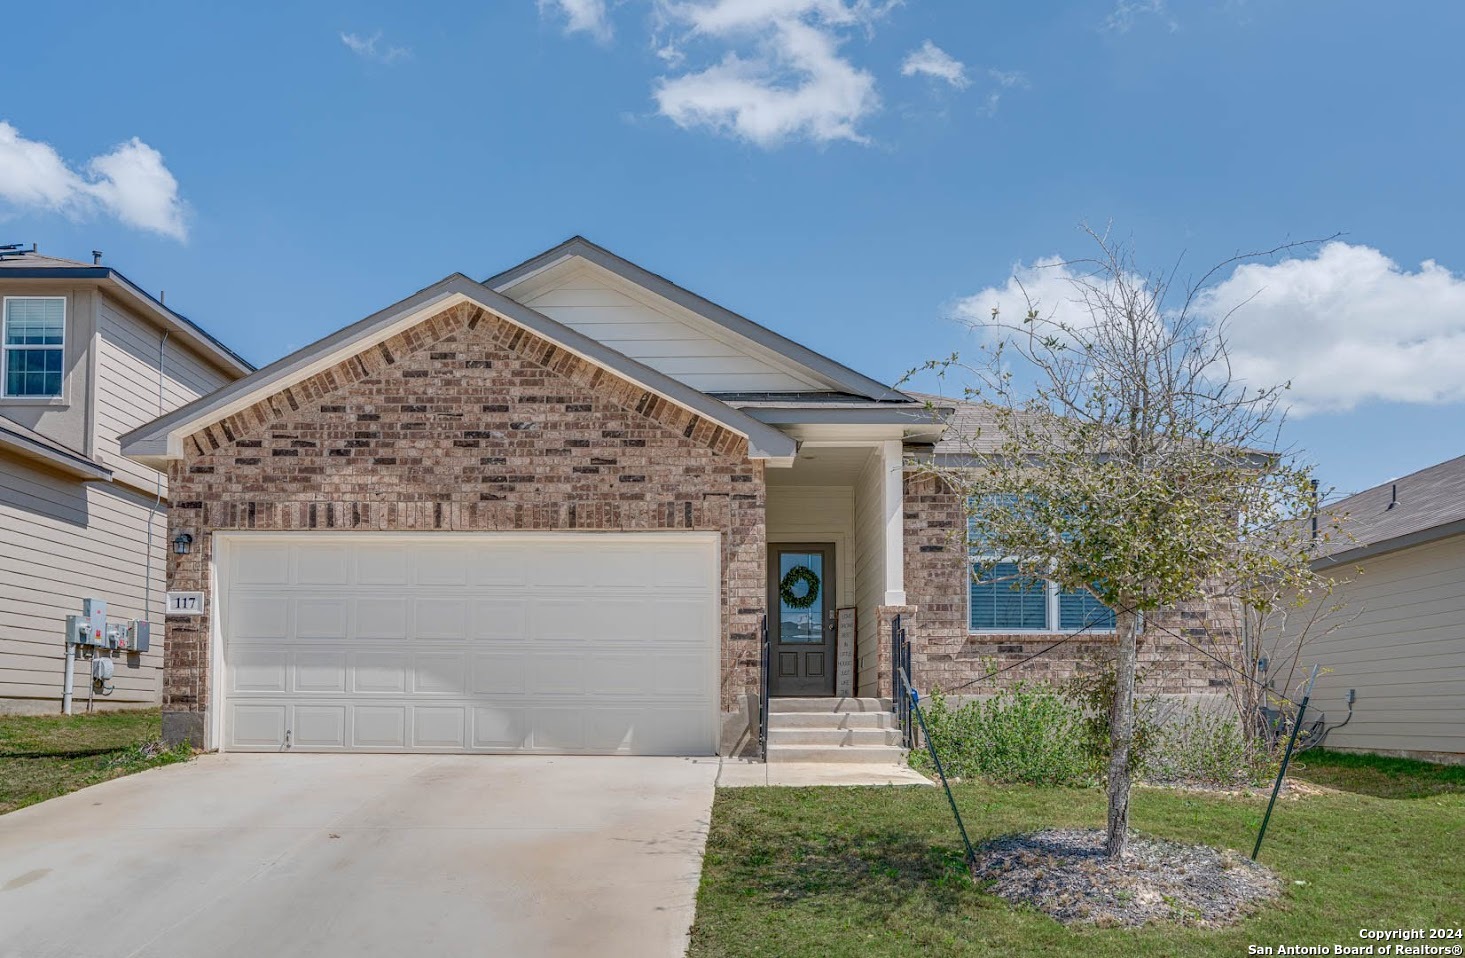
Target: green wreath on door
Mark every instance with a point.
(790, 581)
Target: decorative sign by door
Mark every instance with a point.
(844, 651)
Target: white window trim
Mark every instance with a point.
(6, 349)
(1051, 594)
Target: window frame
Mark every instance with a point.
(1052, 613)
(6, 349)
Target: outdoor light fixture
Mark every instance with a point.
(182, 543)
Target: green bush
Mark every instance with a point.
(1202, 747)
(1027, 735)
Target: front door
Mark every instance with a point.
(800, 580)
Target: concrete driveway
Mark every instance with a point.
(336, 855)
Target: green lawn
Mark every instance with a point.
(42, 756)
(878, 871)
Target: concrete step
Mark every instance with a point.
(831, 720)
(832, 737)
(828, 704)
(864, 754)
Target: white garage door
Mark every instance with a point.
(470, 643)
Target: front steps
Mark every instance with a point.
(833, 730)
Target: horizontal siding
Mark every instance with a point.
(661, 338)
(62, 541)
(127, 385)
(1399, 640)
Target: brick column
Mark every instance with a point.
(885, 651)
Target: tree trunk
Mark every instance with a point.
(1121, 730)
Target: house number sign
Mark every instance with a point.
(185, 603)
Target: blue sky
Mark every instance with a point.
(854, 174)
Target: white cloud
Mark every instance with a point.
(130, 183)
(582, 16)
(780, 76)
(930, 60)
(1005, 80)
(368, 48)
(1345, 326)
(1122, 18)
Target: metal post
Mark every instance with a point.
(764, 684)
(915, 703)
(1286, 759)
(69, 683)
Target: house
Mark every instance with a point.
(87, 356)
(1392, 641)
(550, 511)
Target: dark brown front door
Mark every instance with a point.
(800, 580)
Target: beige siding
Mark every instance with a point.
(869, 572)
(660, 334)
(127, 385)
(62, 541)
(1400, 641)
(813, 514)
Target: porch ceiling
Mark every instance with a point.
(823, 466)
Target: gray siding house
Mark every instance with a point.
(1398, 638)
(87, 356)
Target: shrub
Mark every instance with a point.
(1201, 747)
(1027, 734)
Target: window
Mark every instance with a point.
(34, 345)
(1001, 599)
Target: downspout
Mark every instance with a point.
(147, 589)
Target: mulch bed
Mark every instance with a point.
(1063, 872)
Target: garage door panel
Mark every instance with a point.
(318, 726)
(257, 726)
(379, 726)
(500, 617)
(321, 564)
(320, 672)
(382, 617)
(492, 644)
(259, 670)
(498, 674)
(501, 728)
(442, 727)
(379, 673)
(439, 674)
(440, 618)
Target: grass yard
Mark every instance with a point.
(42, 756)
(878, 871)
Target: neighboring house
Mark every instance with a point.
(1397, 637)
(87, 356)
(547, 512)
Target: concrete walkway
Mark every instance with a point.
(330, 856)
(740, 774)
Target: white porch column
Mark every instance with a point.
(892, 496)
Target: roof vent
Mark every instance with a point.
(1393, 497)
(96, 257)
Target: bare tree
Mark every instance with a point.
(1126, 459)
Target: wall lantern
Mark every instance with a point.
(182, 543)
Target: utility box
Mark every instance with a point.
(94, 611)
(102, 668)
(139, 635)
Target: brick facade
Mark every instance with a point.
(946, 655)
(465, 422)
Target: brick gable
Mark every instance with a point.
(466, 422)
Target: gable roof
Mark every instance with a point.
(1418, 508)
(29, 264)
(162, 438)
(839, 376)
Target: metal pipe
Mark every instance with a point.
(70, 682)
(147, 561)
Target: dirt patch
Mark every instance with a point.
(1064, 873)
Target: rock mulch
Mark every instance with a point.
(1064, 873)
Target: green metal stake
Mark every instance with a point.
(1286, 760)
(971, 856)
